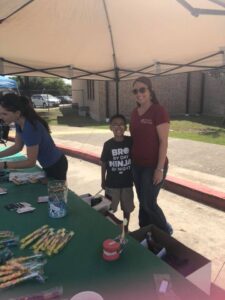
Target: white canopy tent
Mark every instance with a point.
(110, 39)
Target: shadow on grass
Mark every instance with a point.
(67, 116)
(78, 121)
(71, 118)
(214, 133)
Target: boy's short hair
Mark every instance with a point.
(117, 116)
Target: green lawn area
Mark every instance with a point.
(198, 128)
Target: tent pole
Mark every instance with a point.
(188, 94)
(27, 85)
(107, 100)
(202, 96)
(117, 97)
(14, 12)
(113, 55)
(117, 79)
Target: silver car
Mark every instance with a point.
(44, 100)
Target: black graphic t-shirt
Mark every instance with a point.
(117, 156)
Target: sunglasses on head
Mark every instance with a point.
(142, 90)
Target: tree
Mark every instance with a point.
(39, 85)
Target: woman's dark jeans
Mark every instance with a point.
(147, 192)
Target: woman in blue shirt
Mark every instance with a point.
(33, 132)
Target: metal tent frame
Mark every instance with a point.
(158, 68)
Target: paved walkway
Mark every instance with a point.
(185, 156)
(196, 171)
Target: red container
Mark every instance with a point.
(111, 250)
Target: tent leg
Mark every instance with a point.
(117, 97)
(107, 100)
(202, 96)
(188, 94)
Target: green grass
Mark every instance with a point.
(197, 128)
(68, 117)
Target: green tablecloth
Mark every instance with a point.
(80, 265)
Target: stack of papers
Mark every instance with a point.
(21, 177)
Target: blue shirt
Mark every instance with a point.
(48, 153)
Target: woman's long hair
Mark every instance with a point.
(13, 103)
(148, 83)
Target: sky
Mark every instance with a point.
(67, 81)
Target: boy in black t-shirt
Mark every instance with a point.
(116, 167)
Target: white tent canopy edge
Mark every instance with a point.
(109, 39)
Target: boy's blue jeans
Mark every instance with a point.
(147, 192)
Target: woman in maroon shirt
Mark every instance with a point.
(149, 129)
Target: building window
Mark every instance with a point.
(90, 89)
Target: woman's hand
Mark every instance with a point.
(158, 176)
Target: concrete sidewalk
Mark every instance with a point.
(196, 169)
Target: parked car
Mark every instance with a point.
(65, 99)
(8, 85)
(44, 100)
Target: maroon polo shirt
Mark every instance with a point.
(145, 147)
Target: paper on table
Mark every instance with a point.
(2, 191)
(26, 177)
(164, 287)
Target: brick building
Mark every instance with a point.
(186, 93)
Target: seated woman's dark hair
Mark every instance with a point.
(13, 103)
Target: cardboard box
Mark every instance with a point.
(192, 265)
(102, 206)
